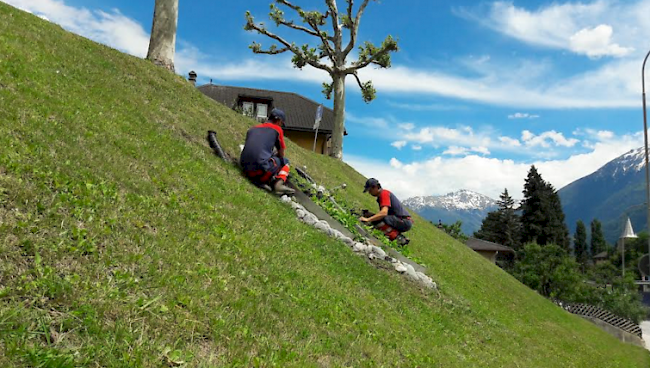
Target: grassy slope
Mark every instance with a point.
(123, 241)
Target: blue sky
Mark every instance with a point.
(478, 92)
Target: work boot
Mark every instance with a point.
(279, 188)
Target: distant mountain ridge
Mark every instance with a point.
(610, 194)
(464, 205)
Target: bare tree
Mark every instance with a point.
(162, 45)
(330, 55)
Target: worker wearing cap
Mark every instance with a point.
(261, 164)
(391, 211)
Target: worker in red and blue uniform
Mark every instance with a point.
(262, 158)
(392, 218)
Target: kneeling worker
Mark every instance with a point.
(392, 219)
(260, 164)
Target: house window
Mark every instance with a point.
(248, 109)
(262, 111)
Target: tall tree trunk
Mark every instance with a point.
(339, 115)
(162, 44)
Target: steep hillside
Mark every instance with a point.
(615, 190)
(463, 205)
(125, 242)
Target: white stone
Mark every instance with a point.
(359, 247)
(322, 227)
(310, 219)
(348, 241)
(410, 272)
(301, 213)
(285, 199)
(378, 251)
(399, 267)
(296, 206)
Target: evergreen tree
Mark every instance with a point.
(542, 215)
(503, 225)
(580, 245)
(598, 243)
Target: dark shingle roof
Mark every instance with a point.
(300, 110)
(601, 255)
(483, 245)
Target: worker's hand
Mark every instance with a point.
(363, 219)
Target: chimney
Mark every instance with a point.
(192, 78)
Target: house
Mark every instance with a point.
(600, 257)
(257, 103)
(488, 249)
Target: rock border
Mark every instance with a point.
(373, 252)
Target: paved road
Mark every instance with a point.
(645, 327)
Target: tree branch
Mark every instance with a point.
(314, 19)
(372, 55)
(290, 5)
(368, 91)
(354, 29)
(302, 56)
(273, 50)
(334, 14)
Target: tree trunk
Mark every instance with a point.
(162, 44)
(339, 115)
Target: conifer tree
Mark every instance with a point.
(542, 216)
(580, 245)
(503, 225)
(598, 243)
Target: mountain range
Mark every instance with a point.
(611, 194)
(464, 205)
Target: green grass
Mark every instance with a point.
(125, 242)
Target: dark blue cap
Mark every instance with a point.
(372, 182)
(277, 114)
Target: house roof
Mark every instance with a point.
(486, 246)
(300, 110)
(601, 255)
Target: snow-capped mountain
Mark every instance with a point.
(610, 194)
(629, 163)
(464, 205)
(459, 200)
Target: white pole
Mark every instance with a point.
(315, 138)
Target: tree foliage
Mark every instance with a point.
(502, 226)
(542, 215)
(580, 245)
(598, 243)
(553, 273)
(330, 52)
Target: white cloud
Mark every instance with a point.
(110, 28)
(407, 126)
(596, 42)
(486, 175)
(395, 163)
(547, 139)
(456, 151)
(525, 85)
(416, 147)
(581, 28)
(399, 144)
(523, 115)
(510, 142)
